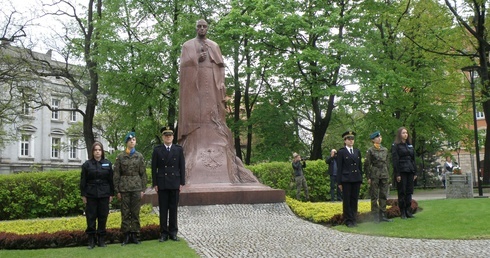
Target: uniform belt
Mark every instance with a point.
(97, 181)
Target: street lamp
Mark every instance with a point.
(470, 72)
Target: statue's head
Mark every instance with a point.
(201, 28)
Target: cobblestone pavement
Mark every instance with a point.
(272, 230)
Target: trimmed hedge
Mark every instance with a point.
(43, 194)
(279, 175)
(39, 195)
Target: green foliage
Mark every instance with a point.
(43, 194)
(33, 195)
(279, 175)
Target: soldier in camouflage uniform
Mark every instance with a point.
(130, 184)
(376, 169)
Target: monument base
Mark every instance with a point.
(222, 193)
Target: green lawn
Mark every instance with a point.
(151, 248)
(439, 219)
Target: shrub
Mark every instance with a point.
(42, 194)
(279, 175)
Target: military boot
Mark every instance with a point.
(101, 241)
(134, 238)
(126, 239)
(403, 213)
(409, 213)
(375, 217)
(91, 241)
(383, 217)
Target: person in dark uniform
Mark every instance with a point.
(97, 190)
(168, 176)
(299, 177)
(349, 178)
(333, 172)
(403, 158)
(130, 185)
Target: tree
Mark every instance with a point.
(473, 26)
(305, 44)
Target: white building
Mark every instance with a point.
(41, 137)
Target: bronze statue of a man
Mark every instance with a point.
(207, 141)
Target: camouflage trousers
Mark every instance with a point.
(301, 184)
(130, 212)
(378, 190)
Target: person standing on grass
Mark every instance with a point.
(349, 178)
(97, 190)
(377, 174)
(130, 184)
(403, 158)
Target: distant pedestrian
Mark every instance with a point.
(130, 185)
(349, 167)
(403, 158)
(298, 165)
(97, 190)
(377, 174)
(448, 168)
(335, 193)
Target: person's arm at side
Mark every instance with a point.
(395, 160)
(367, 166)
(111, 181)
(154, 169)
(83, 183)
(117, 178)
(143, 176)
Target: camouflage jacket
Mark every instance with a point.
(130, 173)
(376, 163)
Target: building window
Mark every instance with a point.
(25, 145)
(55, 104)
(73, 113)
(26, 110)
(55, 147)
(73, 149)
(480, 115)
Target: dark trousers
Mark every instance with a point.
(405, 190)
(350, 197)
(168, 200)
(97, 210)
(334, 188)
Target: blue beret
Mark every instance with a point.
(374, 135)
(129, 135)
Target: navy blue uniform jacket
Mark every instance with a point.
(168, 168)
(349, 166)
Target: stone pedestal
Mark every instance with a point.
(222, 193)
(459, 186)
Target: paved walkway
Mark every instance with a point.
(272, 230)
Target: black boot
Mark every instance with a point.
(101, 241)
(383, 217)
(91, 241)
(134, 238)
(126, 239)
(409, 214)
(403, 214)
(375, 217)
